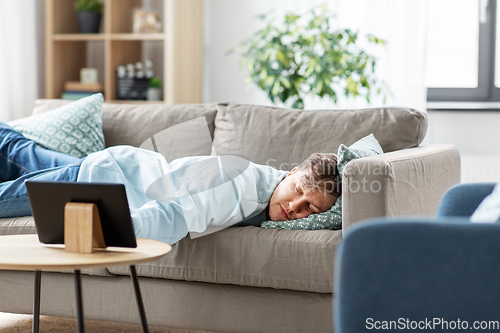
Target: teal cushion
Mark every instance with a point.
(74, 129)
(367, 146)
(332, 218)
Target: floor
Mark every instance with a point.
(17, 323)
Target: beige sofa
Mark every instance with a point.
(250, 279)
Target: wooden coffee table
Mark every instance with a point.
(25, 252)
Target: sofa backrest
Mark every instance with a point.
(278, 137)
(283, 138)
(132, 124)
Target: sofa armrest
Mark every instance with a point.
(407, 182)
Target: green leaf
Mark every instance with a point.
(319, 86)
(276, 88)
(351, 85)
(291, 18)
(285, 82)
(250, 65)
(364, 82)
(310, 70)
(280, 56)
(263, 74)
(88, 6)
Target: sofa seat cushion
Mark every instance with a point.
(26, 225)
(17, 225)
(283, 138)
(251, 256)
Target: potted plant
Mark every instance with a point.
(89, 14)
(154, 91)
(306, 56)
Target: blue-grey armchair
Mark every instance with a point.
(421, 274)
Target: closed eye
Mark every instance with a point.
(308, 205)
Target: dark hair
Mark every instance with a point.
(320, 170)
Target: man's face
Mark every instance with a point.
(290, 200)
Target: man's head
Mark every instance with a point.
(312, 187)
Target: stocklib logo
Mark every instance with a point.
(191, 138)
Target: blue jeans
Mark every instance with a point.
(22, 159)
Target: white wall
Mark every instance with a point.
(474, 133)
(476, 136)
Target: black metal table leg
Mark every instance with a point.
(138, 298)
(79, 302)
(36, 304)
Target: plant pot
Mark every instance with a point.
(88, 22)
(154, 94)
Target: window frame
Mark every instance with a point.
(486, 90)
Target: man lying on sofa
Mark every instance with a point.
(168, 200)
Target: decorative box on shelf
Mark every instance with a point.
(133, 80)
(74, 90)
(132, 88)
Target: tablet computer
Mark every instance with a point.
(47, 201)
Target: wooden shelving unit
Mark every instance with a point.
(181, 46)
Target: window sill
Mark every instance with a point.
(463, 106)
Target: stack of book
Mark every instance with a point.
(75, 90)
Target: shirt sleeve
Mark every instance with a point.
(161, 221)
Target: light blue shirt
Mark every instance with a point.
(196, 195)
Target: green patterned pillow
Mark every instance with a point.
(367, 146)
(74, 129)
(332, 218)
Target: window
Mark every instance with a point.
(460, 57)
